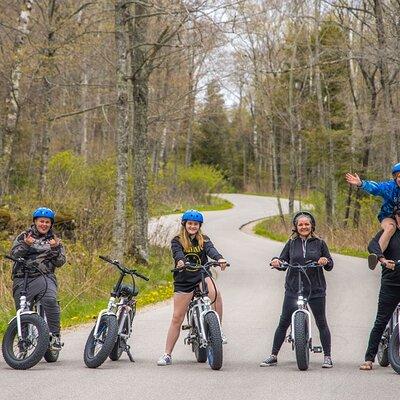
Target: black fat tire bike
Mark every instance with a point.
(109, 337)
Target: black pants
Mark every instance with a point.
(389, 297)
(36, 289)
(317, 306)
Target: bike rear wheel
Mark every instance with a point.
(301, 340)
(394, 349)
(382, 355)
(51, 355)
(199, 352)
(98, 349)
(214, 348)
(25, 352)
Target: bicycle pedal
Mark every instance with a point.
(185, 327)
(317, 349)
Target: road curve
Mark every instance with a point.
(252, 297)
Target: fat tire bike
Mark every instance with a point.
(27, 338)
(300, 335)
(109, 337)
(203, 322)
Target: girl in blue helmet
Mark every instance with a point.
(189, 245)
(390, 192)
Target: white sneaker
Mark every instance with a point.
(224, 338)
(165, 359)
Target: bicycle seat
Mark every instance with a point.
(128, 291)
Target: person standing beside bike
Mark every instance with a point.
(389, 294)
(193, 246)
(304, 246)
(41, 248)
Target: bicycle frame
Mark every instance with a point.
(198, 308)
(302, 308)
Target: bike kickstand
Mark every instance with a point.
(128, 351)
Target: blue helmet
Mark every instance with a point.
(44, 212)
(396, 168)
(192, 215)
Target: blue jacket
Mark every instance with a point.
(390, 193)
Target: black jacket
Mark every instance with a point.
(40, 253)
(389, 277)
(293, 253)
(194, 254)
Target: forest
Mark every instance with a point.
(113, 112)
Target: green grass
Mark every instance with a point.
(82, 298)
(215, 204)
(262, 230)
(83, 294)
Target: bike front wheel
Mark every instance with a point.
(382, 355)
(27, 351)
(214, 348)
(394, 349)
(98, 348)
(121, 343)
(301, 340)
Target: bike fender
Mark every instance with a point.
(101, 313)
(309, 321)
(202, 316)
(25, 312)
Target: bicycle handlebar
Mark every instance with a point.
(123, 269)
(396, 264)
(284, 266)
(198, 266)
(18, 260)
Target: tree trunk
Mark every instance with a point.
(48, 67)
(12, 104)
(292, 130)
(140, 89)
(122, 124)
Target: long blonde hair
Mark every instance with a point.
(184, 238)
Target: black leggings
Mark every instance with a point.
(317, 306)
(389, 297)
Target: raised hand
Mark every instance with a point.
(353, 179)
(54, 242)
(29, 239)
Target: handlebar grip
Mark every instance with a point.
(10, 258)
(104, 258)
(142, 276)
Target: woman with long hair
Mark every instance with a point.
(193, 246)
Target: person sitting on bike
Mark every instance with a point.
(390, 192)
(193, 246)
(389, 294)
(304, 246)
(43, 249)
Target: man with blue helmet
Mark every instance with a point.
(390, 192)
(42, 248)
(193, 246)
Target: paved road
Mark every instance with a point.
(252, 296)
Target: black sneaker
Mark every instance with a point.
(327, 362)
(372, 261)
(55, 342)
(269, 361)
